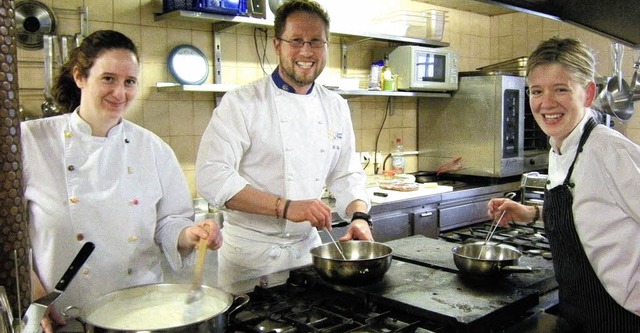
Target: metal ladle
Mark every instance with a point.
(618, 90)
(635, 81)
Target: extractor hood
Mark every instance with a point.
(618, 19)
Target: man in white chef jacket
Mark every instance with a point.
(270, 148)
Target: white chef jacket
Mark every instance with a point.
(125, 193)
(606, 206)
(287, 144)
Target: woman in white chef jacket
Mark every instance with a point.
(91, 175)
(591, 213)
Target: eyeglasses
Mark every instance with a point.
(298, 43)
(558, 92)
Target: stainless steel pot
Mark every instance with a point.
(487, 259)
(160, 308)
(365, 262)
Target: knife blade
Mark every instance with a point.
(37, 309)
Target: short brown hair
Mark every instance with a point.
(293, 6)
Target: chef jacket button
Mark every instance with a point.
(317, 179)
(68, 134)
(322, 150)
(133, 238)
(80, 236)
(71, 168)
(129, 271)
(74, 200)
(85, 272)
(135, 202)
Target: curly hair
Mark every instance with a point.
(292, 6)
(65, 92)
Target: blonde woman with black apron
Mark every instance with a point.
(583, 299)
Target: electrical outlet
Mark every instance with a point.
(364, 158)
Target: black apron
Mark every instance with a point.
(583, 301)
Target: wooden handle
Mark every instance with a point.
(201, 255)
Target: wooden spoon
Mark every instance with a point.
(196, 286)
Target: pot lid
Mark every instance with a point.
(33, 21)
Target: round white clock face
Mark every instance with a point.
(188, 65)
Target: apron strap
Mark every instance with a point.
(588, 127)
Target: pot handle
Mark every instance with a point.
(516, 269)
(71, 312)
(240, 302)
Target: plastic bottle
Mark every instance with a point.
(387, 75)
(375, 77)
(397, 160)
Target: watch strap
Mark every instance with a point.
(362, 216)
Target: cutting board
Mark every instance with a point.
(399, 195)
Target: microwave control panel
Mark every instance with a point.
(510, 121)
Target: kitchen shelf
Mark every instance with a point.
(223, 22)
(222, 88)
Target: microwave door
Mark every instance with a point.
(430, 67)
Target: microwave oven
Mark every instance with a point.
(482, 123)
(422, 68)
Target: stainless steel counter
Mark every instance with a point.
(460, 194)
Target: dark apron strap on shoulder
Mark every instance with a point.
(588, 127)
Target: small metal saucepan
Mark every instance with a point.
(365, 262)
(488, 259)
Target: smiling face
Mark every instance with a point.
(299, 67)
(108, 90)
(557, 101)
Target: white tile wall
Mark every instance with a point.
(180, 118)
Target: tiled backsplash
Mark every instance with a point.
(180, 117)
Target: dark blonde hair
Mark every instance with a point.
(572, 54)
(292, 6)
(65, 92)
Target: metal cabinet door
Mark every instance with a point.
(390, 226)
(425, 221)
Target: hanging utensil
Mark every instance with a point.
(64, 49)
(37, 309)
(48, 107)
(617, 87)
(635, 81)
(33, 21)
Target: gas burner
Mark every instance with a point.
(302, 305)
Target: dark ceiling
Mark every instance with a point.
(618, 19)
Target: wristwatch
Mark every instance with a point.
(363, 216)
